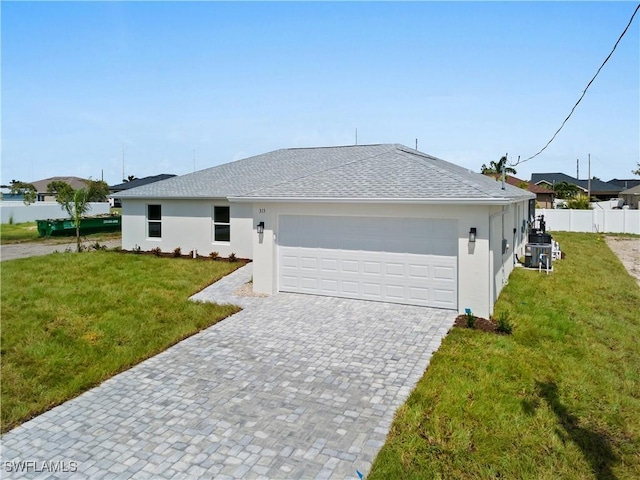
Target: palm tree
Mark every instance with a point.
(496, 167)
(77, 205)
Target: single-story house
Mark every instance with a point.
(599, 189)
(42, 195)
(136, 182)
(374, 222)
(544, 195)
(625, 183)
(631, 197)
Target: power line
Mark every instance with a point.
(585, 90)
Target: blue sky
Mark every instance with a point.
(471, 81)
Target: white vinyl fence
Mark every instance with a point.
(18, 212)
(603, 221)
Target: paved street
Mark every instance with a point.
(293, 386)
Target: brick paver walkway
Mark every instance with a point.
(294, 386)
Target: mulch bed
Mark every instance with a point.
(481, 324)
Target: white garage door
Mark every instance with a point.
(400, 260)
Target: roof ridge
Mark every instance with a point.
(316, 172)
(465, 181)
(336, 146)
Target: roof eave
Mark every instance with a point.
(423, 201)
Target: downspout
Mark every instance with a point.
(491, 217)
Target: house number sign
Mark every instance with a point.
(262, 210)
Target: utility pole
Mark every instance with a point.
(416, 144)
(589, 181)
(356, 136)
(504, 166)
(578, 168)
(123, 178)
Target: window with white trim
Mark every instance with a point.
(154, 221)
(221, 224)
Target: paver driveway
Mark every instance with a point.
(294, 386)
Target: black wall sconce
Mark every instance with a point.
(472, 234)
(260, 228)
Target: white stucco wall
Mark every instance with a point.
(187, 224)
(474, 279)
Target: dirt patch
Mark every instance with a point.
(628, 251)
(481, 324)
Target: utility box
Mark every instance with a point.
(535, 253)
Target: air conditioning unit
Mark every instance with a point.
(534, 253)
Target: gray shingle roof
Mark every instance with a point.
(597, 186)
(368, 172)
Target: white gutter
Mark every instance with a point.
(425, 201)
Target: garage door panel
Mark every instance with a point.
(443, 273)
(394, 269)
(418, 294)
(385, 259)
(329, 265)
(419, 271)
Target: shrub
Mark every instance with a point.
(232, 257)
(156, 251)
(503, 324)
(177, 252)
(97, 246)
(471, 319)
(214, 255)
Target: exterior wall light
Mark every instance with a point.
(472, 235)
(260, 228)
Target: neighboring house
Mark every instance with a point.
(41, 187)
(599, 189)
(631, 197)
(625, 183)
(374, 222)
(138, 182)
(544, 195)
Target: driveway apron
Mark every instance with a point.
(293, 386)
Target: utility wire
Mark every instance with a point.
(585, 90)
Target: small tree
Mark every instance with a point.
(97, 190)
(62, 190)
(77, 205)
(636, 172)
(565, 190)
(27, 190)
(496, 167)
(579, 202)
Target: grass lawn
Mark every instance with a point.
(28, 232)
(560, 398)
(70, 321)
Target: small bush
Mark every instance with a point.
(177, 252)
(156, 251)
(504, 325)
(471, 320)
(214, 255)
(97, 246)
(232, 257)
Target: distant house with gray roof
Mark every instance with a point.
(373, 222)
(599, 189)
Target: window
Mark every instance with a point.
(221, 224)
(154, 224)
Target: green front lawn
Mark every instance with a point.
(560, 398)
(70, 321)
